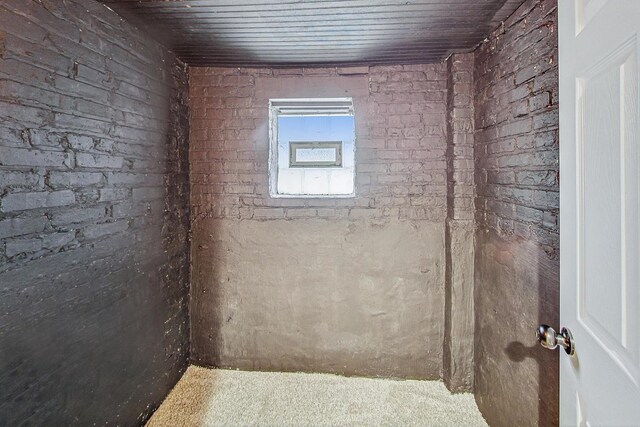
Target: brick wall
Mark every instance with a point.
(400, 147)
(351, 286)
(93, 216)
(517, 242)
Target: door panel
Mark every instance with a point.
(606, 152)
(600, 211)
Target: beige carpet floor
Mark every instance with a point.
(215, 397)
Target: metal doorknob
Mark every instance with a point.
(548, 338)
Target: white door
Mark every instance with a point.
(600, 211)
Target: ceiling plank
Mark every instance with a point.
(327, 32)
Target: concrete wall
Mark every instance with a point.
(352, 286)
(93, 216)
(460, 227)
(517, 241)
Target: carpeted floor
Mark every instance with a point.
(211, 397)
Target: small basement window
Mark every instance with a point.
(312, 147)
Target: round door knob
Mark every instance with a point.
(548, 338)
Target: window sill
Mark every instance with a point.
(312, 196)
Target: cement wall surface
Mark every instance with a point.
(340, 296)
(460, 227)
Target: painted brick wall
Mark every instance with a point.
(309, 284)
(401, 145)
(517, 202)
(93, 216)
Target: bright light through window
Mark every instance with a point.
(312, 148)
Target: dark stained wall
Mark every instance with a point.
(517, 240)
(351, 286)
(93, 216)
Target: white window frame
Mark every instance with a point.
(294, 146)
(305, 107)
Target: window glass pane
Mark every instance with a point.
(311, 155)
(321, 180)
(315, 181)
(341, 181)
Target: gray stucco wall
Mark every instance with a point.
(349, 297)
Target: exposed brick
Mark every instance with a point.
(128, 210)
(23, 157)
(13, 227)
(404, 139)
(25, 201)
(101, 230)
(41, 137)
(301, 213)
(18, 179)
(542, 100)
(515, 127)
(501, 177)
(59, 180)
(537, 178)
(99, 161)
(88, 101)
(112, 194)
(78, 215)
(16, 247)
(550, 220)
(79, 142)
(520, 153)
(58, 240)
(264, 213)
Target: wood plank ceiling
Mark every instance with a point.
(315, 32)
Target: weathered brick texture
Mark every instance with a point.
(400, 144)
(460, 147)
(517, 126)
(517, 243)
(93, 216)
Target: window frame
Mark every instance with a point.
(307, 107)
(306, 145)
